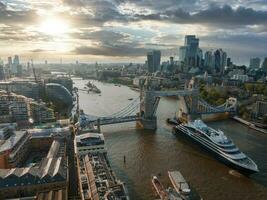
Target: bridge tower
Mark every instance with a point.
(148, 105)
(192, 100)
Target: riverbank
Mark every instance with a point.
(249, 124)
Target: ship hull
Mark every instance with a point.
(216, 155)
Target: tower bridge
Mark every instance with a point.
(143, 109)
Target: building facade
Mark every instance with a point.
(153, 61)
(254, 63)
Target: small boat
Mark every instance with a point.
(160, 191)
(180, 184)
(130, 99)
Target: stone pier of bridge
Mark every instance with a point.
(150, 97)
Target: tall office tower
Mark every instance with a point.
(264, 65)
(9, 61)
(150, 66)
(208, 61)
(153, 61)
(228, 62)
(190, 53)
(254, 63)
(199, 57)
(2, 72)
(220, 58)
(224, 60)
(15, 64)
(16, 60)
(182, 53)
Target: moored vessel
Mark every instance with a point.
(217, 143)
(159, 189)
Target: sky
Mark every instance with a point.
(124, 30)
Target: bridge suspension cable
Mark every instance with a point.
(129, 107)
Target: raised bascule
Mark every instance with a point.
(144, 108)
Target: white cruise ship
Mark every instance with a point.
(216, 142)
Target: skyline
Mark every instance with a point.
(124, 30)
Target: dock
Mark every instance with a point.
(249, 124)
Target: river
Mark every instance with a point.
(157, 152)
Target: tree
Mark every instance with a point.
(249, 87)
(265, 91)
(260, 88)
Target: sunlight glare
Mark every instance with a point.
(54, 26)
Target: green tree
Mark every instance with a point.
(249, 87)
(260, 88)
(265, 91)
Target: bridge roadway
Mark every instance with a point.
(116, 120)
(175, 93)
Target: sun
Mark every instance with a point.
(54, 27)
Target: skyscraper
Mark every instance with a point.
(254, 63)
(16, 60)
(153, 61)
(9, 61)
(264, 65)
(220, 59)
(15, 64)
(2, 72)
(208, 61)
(182, 53)
(190, 53)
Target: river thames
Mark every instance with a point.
(157, 152)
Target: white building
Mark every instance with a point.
(90, 143)
(243, 78)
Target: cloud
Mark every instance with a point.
(112, 51)
(18, 33)
(40, 50)
(8, 16)
(218, 16)
(102, 36)
(129, 28)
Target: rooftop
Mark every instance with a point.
(12, 141)
(49, 132)
(90, 138)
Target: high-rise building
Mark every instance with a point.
(153, 61)
(15, 64)
(264, 65)
(228, 62)
(16, 60)
(9, 61)
(190, 53)
(220, 59)
(182, 53)
(254, 63)
(2, 72)
(208, 61)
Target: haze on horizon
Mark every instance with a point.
(124, 30)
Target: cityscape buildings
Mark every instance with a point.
(190, 53)
(153, 61)
(25, 171)
(93, 93)
(264, 65)
(254, 63)
(20, 109)
(220, 58)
